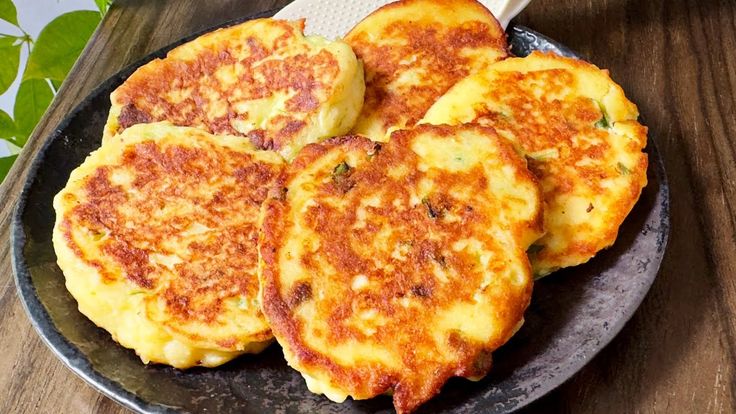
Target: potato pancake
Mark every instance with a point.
(262, 79)
(393, 267)
(414, 51)
(581, 137)
(156, 234)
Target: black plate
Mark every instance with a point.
(573, 314)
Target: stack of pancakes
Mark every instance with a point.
(380, 205)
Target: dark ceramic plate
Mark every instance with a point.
(573, 314)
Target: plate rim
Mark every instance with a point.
(75, 360)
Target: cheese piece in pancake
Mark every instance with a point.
(414, 51)
(156, 234)
(582, 139)
(393, 267)
(262, 79)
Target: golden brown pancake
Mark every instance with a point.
(414, 51)
(393, 267)
(262, 79)
(156, 234)
(581, 137)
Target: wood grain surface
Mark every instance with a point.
(675, 59)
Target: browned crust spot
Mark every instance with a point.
(130, 115)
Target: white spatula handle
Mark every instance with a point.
(334, 18)
(505, 10)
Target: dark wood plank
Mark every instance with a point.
(677, 60)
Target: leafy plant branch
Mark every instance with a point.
(50, 57)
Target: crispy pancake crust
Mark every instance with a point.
(393, 267)
(156, 234)
(261, 79)
(414, 51)
(582, 139)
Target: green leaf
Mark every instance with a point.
(34, 96)
(8, 12)
(7, 126)
(341, 169)
(5, 164)
(9, 59)
(622, 169)
(103, 5)
(603, 123)
(59, 45)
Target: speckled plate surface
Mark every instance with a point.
(573, 314)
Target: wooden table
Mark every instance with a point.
(675, 59)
